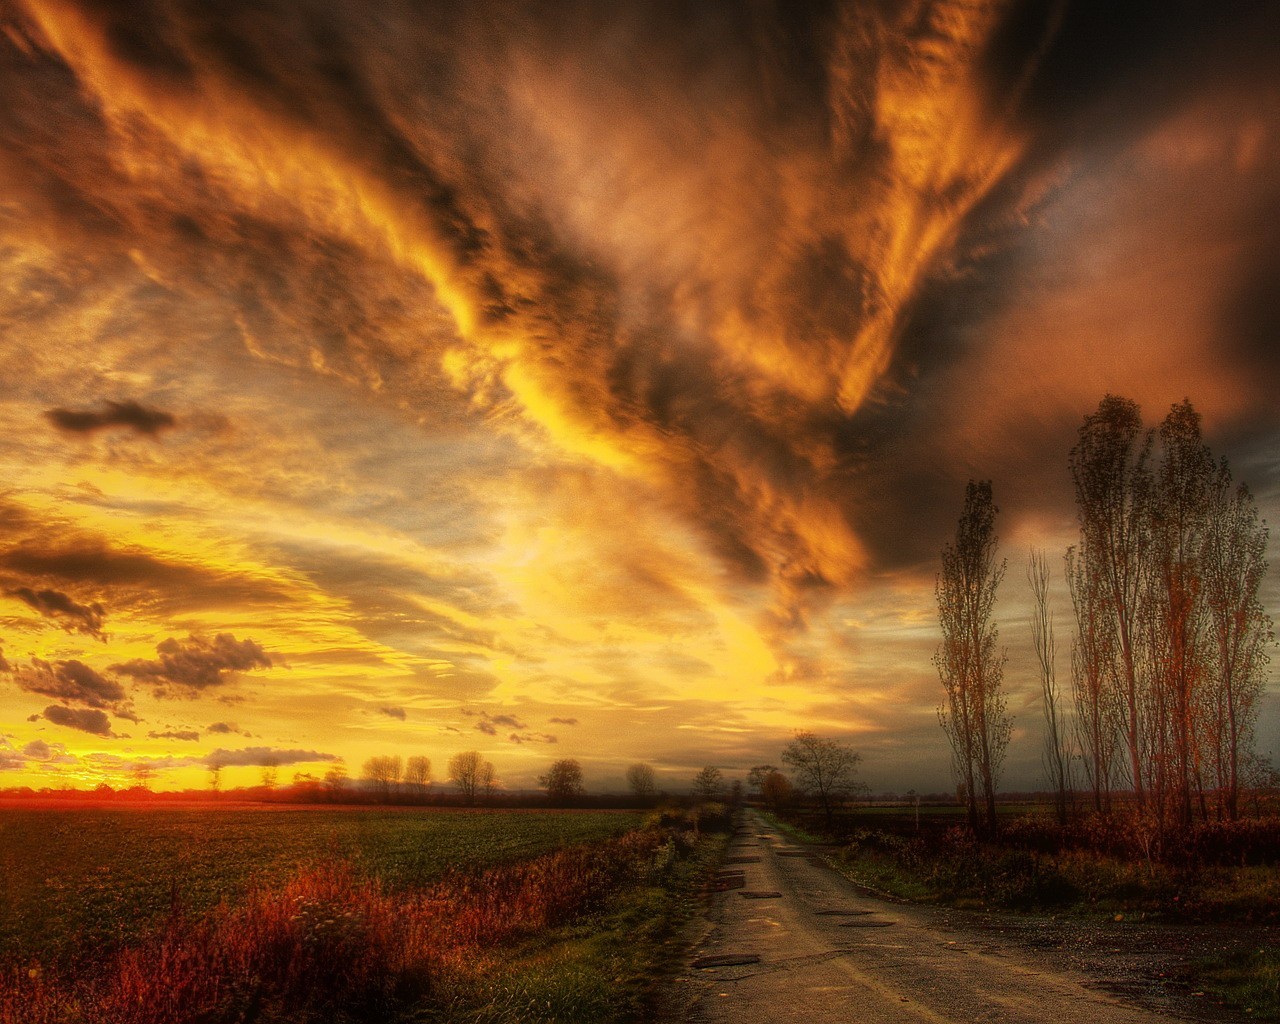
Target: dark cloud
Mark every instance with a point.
(265, 757)
(187, 667)
(37, 750)
(53, 604)
(71, 681)
(565, 721)
(532, 737)
(491, 724)
(55, 552)
(83, 719)
(391, 712)
(223, 728)
(129, 414)
(186, 735)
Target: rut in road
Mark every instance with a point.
(810, 947)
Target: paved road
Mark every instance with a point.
(824, 952)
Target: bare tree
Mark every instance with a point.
(757, 775)
(643, 782)
(270, 772)
(974, 714)
(215, 777)
(417, 773)
(1056, 755)
(335, 780)
(563, 782)
(487, 780)
(824, 767)
(707, 783)
(1093, 682)
(472, 774)
(1109, 466)
(1240, 631)
(383, 773)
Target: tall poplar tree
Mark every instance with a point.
(974, 714)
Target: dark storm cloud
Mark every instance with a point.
(264, 757)
(71, 681)
(129, 414)
(223, 728)
(186, 735)
(390, 712)
(53, 604)
(187, 667)
(53, 553)
(565, 721)
(83, 719)
(709, 245)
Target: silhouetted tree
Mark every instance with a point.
(706, 784)
(971, 670)
(1056, 755)
(563, 782)
(776, 790)
(383, 774)
(472, 774)
(827, 768)
(1110, 468)
(1240, 631)
(643, 782)
(417, 773)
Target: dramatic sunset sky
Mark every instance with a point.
(591, 380)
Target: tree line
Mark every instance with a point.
(1170, 642)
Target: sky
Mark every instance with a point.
(587, 380)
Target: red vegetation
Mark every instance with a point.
(327, 946)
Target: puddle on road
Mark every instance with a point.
(843, 913)
(725, 960)
(742, 860)
(865, 924)
(757, 894)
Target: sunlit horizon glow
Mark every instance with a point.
(388, 381)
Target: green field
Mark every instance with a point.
(75, 879)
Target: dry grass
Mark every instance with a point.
(328, 946)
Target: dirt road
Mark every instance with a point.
(788, 939)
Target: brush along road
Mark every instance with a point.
(798, 942)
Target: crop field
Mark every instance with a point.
(76, 879)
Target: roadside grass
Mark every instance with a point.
(607, 969)
(572, 935)
(1251, 985)
(101, 878)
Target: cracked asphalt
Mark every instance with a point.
(789, 939)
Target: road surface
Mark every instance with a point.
(789, 939)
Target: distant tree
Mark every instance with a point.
(270, 773)
(215, 776)
(707, 783)
(335, 781)
(417, 772)
(472, 774)
(776, 790)
(1056, 753)
(487, 780)
(757, 775)
(973, 714)
(643, 782)
(563, 782)
(827, 768)
(735, 792)
(383, 773)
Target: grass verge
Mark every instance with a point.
(568, 936)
